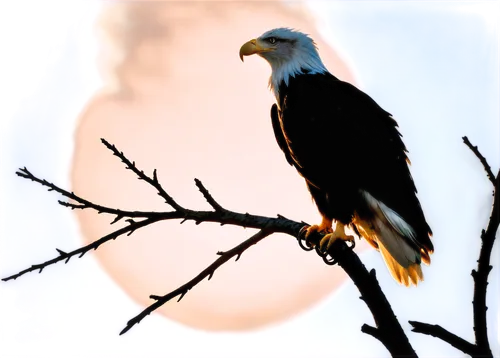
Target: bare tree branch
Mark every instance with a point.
(142, 176)
(481, 348)
(208, 272)
(66, 256)
(220, 214)
(481, 275)
(84, 204)
(387, 330)
(482, 159)
(441, 333)
(276, 225)
(214, 204)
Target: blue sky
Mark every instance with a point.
(433, 65)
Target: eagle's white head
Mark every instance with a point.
(289, 53)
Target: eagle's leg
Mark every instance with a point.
(330, 238)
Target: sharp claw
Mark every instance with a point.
(327, 241)
(329, 236)
(310, 230)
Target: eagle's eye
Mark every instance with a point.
(271, 40)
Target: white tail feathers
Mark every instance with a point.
(395, 239)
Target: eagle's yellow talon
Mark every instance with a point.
(310, 230)
(330, 238)
(327, 241)
(324, 228)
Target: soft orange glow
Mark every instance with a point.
(178, 99)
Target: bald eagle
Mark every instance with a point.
(348, 150)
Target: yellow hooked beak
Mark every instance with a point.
(253, 47)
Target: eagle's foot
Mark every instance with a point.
(338, 234)
(324, 228)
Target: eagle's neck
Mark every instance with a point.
(283, 71)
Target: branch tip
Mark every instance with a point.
(208, 197)
(116, 219)
(182, 295)
(372, 331)
(61, 252)
(481, 158)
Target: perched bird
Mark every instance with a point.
(348, 150)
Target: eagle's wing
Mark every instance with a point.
(386, 175)
(278, 133)
(331, 125)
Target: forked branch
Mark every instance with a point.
(481, 348)
(387, 330)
